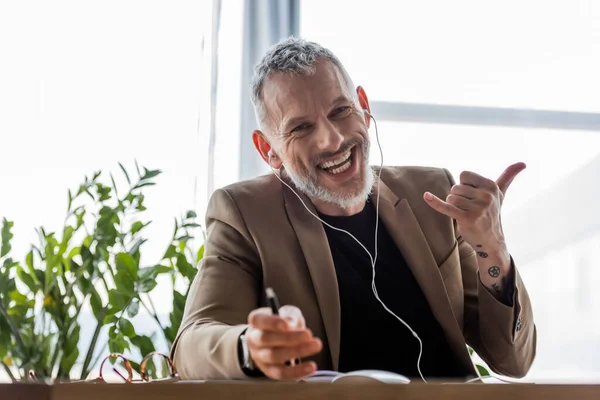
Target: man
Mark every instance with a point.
(442, 265)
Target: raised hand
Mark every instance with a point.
(475, 204)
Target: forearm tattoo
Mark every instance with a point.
(494, 271)
(481, 254)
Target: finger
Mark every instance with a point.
(289, 373)
(279, 355)
(477, 181)
(508, 175)
(443, 207)
(258, 338)
(460, 202)
(465, 191)
(293, 316)
(262, 319)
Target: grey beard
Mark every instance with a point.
(310, 187)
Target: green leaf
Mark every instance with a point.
(126, 327)
(20, 299)
(144, 343)
(152, 272)
(178, 301)
(171, 252)
(125, 262)
(191, 225)
(26, 279)
(72, 340)
(137, 168)
(184, 238)
(200, 253)
(73, 266)
(75, 251)
(69, 360)
(146, 285)
(118, 344)
(470, 351)
(117, 300)
(96, 303)
(125, 173)
(124, 284)
(6, 236)
(482, 370)
(112, 332)
(191, 214)
(109, 319)
(70, 200)
(29, 260)
(135, 366)
(80, 216)
(136, 246)
(133, 309)
(8, 263)
(185, 267)
(112, 179)
(138, 226)
(141, 185)
(148, 174)
(20, 310)
(67, 235)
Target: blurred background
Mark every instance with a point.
(465, 85)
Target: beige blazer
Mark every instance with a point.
(259, 234)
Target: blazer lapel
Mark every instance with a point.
(404, 228)
(315, 246)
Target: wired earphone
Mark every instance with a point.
(373, 259)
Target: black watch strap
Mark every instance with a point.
(246, 364)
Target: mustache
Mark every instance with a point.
(344, 148)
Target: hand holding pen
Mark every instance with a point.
(277, 335)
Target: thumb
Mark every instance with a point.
(508, 175)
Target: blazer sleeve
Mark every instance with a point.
(503, 336)
(221, 296)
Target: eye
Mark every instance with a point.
(300, 128)
(341, 110)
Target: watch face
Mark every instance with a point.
(247, 359)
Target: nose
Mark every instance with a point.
(329, 137)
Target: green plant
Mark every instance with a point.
(93, 263)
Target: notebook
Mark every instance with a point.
(360, 376)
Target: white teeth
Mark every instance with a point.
(344, 167)
(337, 161)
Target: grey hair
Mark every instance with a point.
(294, 56)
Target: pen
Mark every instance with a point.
(274, 304)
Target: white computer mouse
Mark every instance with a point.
(367, 375)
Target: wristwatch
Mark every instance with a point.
(245, 358)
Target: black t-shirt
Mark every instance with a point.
(371, 338)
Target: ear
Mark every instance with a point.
(263, 147)
(364, 103)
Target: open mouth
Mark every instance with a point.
(340, 164)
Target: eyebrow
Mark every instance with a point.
(295, 121)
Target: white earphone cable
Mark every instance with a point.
(371, 257)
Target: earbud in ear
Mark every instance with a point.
(367, 112)
(271, 154)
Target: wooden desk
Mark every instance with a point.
(295, 391)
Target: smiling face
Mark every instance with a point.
(317, 128)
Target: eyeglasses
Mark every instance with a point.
(144, 375)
